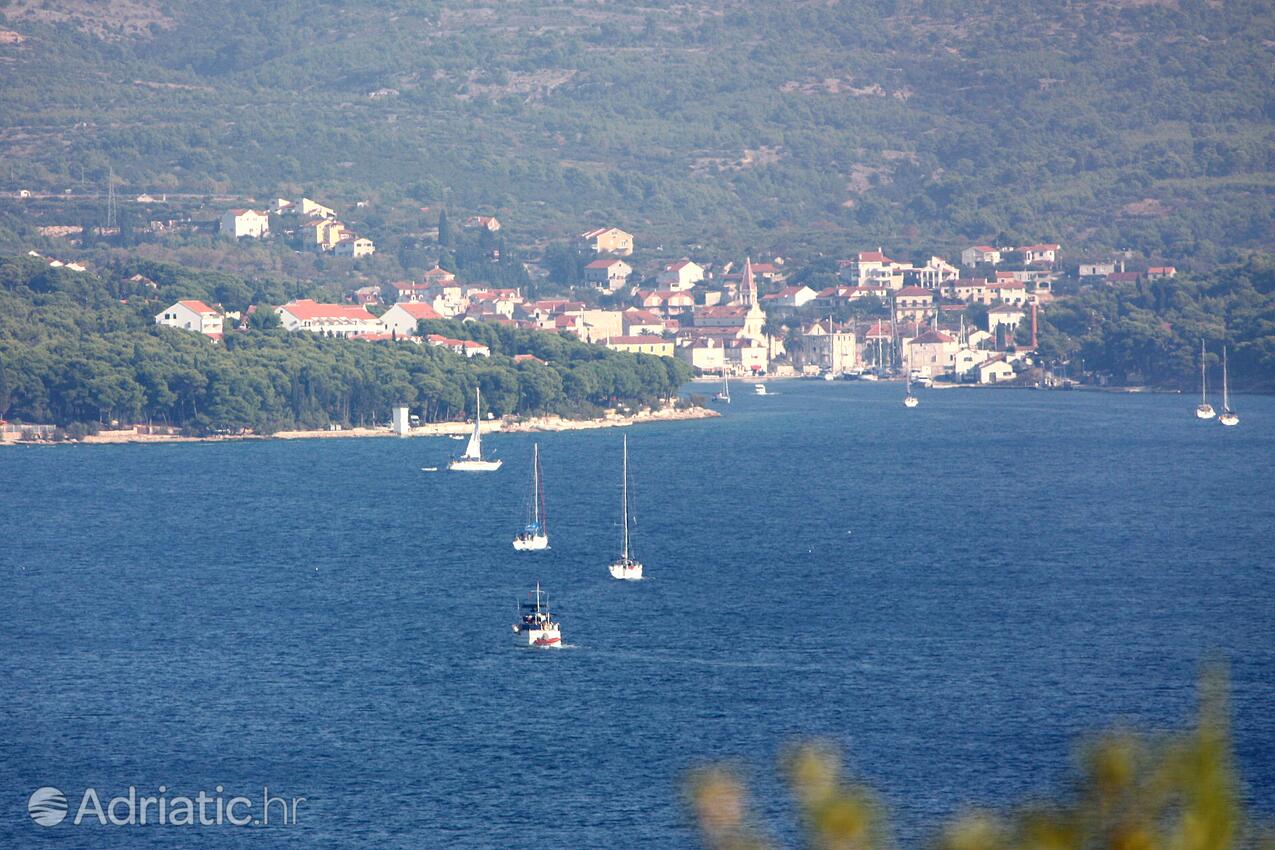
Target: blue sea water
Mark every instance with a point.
(955, 594)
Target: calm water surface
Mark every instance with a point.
(956, 594)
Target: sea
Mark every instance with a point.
(956, 598)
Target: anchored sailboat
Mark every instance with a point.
(472, 459)
(535, 536)
(724, 395)
(1204, 410)
(1228, 416)
(626, 566)
(909, 400)
(536, 625)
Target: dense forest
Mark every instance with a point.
(82, 350)
(799, 126)
(1149, 332)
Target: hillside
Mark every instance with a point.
(815, 125)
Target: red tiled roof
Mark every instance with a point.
(197, 306)
(913, 291)
(307, 309)
(418, 310)
(932, 338)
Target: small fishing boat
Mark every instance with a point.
(472, 459)
(1204, 410)
(1227, 417)
(626, 566)
(536, 624)
(535, 535)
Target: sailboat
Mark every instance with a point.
(472, 459)
(626, 566)
(536, 625)
(1228, 416)
(909, 400)
(535, 536)
(724, 395)
(1203, 410)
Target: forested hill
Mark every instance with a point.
(79, 350)
(917, 123)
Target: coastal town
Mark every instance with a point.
(969, 319)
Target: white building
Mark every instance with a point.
(608, 274)
(250, 223)
(994, 372)
(680, 275)
(830, 347)
(313, 209)
(932, 354)
(980, 254)
(192, 316)
(402, 319)
(354, 246)
(330, 319)
(1006, 315)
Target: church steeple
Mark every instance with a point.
(747, 285)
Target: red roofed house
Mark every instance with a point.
(872, 268)
(608, 240)
(980, 254)
(331, 319)
(914, 303)
(932, 354)
(609, 274)
(467, 347)
(680, 275)
(482, 222)
(192, 316)
(438, 274)
(642, 323)
(402, 319)
(665, 302)
(1161, 272)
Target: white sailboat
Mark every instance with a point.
(535, 536)
(536, 625)
(1204, 410)
(472, 459)
(724, 395)
(1227, 417)
(626, 566)
(909, 400)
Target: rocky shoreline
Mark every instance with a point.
(434, 429)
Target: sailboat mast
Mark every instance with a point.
(625, 548)
(535, 485)
(1204, 391)
(1226, 390)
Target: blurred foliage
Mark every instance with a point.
(1134, 792)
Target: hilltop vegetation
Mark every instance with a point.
(74, 354)
(1150, 332)
(799, 125)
